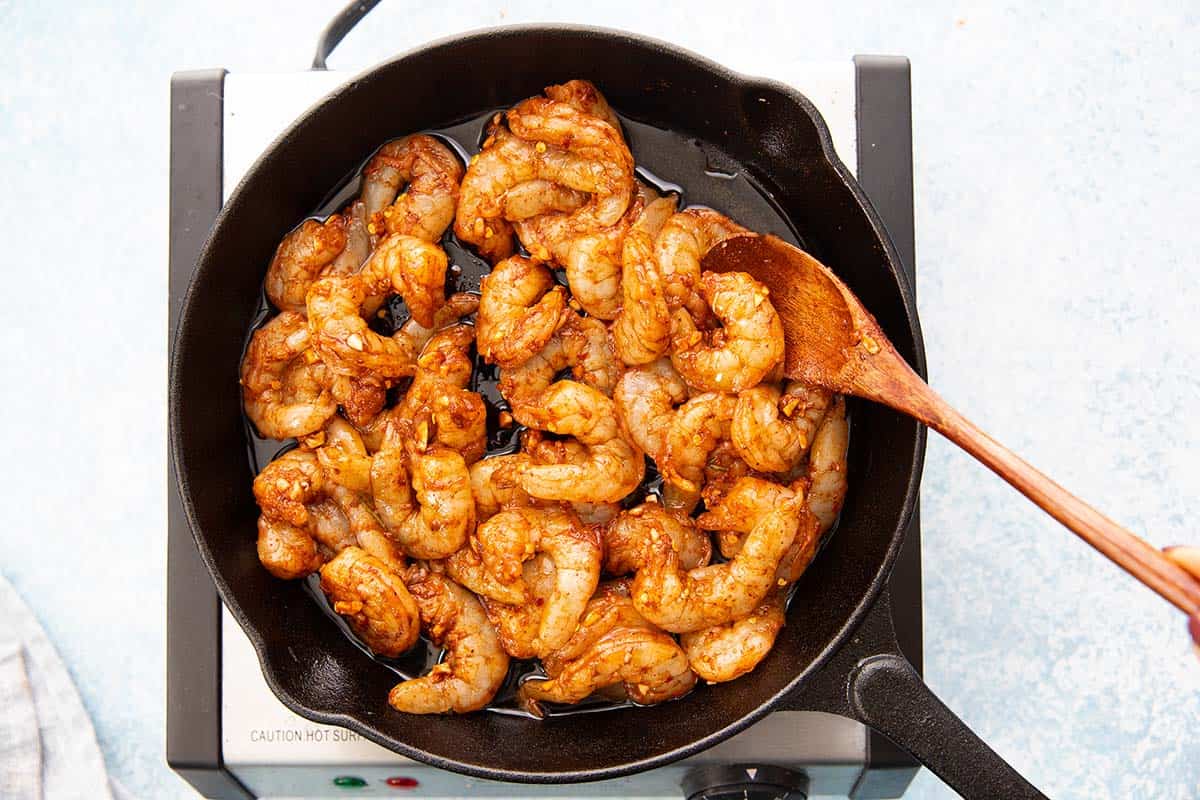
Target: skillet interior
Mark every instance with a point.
(777, 137)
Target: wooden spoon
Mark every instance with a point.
(832, 341)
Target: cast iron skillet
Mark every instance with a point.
(837, 653)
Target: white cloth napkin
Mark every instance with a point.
(48, 748)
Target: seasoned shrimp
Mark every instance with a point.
(740, 354)
(626, 536)
(534, 198)
(511, 537)
(583, 344)
(286, 486)
(645, 399)
(614, 646)
(609, 175)
(697, 428)
(301, 258)
(642, 331)
(681, 246)
(432, 174)
(495, 484)
(748, 502)
(682, 601)
(612, 468)
(519, 310)
(519, 622)
(772, 430)
(729, 651)
(438, 520)
(373, 600)
(413, 268)
(285, 387)
(343, 457)
(443, 373)
(475, 666)
(827, 466)
(585, 97)
(358, 245)
(287, 551)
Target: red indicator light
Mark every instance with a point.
(403, 782)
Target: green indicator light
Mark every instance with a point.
(349, 782)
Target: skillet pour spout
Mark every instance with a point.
(778, 139)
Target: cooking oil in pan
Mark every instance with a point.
(706, 177)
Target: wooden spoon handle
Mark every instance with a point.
(1131, 553)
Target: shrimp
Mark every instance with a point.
(645, 399)
(749, 501)
(728, 651)
(432, 174)
(827, 466)
(586, 98)
(682, 601)
(772, 430)
(373, 600)
(511, 537)
(681, 246)
(443, 514)
(554, 141)
(698, 427)
(300, 259)
(286, 486)
(614, 646)
(495, 486)
(517, 623)
(642, 331)
(625, 538)
(413, 268)
(583, 344)
(287, 551)
(343, 457)
(738, 355)
(534, 198)
(612, 468)
(609, 174)
(519, 310)
(475, 666)
(459, 415)
(285, 387)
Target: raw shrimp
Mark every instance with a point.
(584, 96)
(626, 536)
(827, 466)
(343, 457)
(432, 174)
(583, 344)
(728, 651)
(613, 646)
(609, 175)
(748, 502)
(697, 428)
(682, 601)
(642, 331)
(285, 387)
(358, 244)
(466, 567)
(681, 245)
(475, 666)
(511, 537)
(612, 468)
(373, 600)
(301, 258)
(404, 264)
(495, 485)
(519, 310)
(443, 373)
(645, 399)
(738, 355)
(773, 430)
(438, 520)
(534, 198)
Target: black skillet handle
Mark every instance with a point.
(869, 680)
(886, 693)
(338, 27)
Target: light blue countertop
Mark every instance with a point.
(1057, 233)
